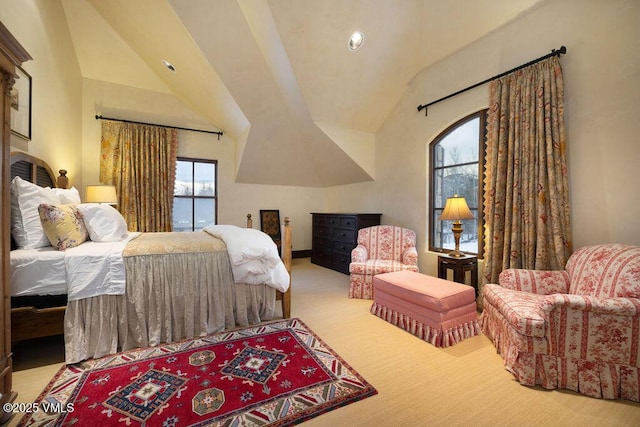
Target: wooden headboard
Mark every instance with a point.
(35, 316)
(34, 170)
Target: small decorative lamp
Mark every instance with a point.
(455, 210)
(101, 194)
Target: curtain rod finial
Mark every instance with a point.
(561, 51)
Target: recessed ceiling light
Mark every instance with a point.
(169, 66)
(356, 40)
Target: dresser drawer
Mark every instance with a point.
(341, 262)
(323, 255)
(324, 244)
(332, 221)
(348, 222)
(322, 251)
(344, 235)
(322, 231)
(345, 247)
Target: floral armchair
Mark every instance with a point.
(381, 249)
(575, 329)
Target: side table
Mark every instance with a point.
(459, 266)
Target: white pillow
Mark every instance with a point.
(104, 223)
(68, 196)
(25, 219)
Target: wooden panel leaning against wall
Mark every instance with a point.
(12, 55)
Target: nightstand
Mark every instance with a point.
(459, 266)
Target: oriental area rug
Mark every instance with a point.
(275, 374)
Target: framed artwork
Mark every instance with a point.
(21, 105)
(270, 224)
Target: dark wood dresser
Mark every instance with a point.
(335, 235)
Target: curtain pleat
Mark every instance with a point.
(140, 160)
(526, 191)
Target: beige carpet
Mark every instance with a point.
(418, 384)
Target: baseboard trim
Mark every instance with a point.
(301, 254)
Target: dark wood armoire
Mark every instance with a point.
(12, 55)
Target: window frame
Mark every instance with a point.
(193, 197)
(482, 134)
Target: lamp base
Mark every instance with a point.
(457, 254)
(457, 232)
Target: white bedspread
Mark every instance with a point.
(254, 256)
(96, 268)
(38, 272)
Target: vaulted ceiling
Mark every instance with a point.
(276, 75)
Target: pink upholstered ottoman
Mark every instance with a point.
(435, 310)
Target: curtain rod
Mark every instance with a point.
(554, 52)
(98, 117)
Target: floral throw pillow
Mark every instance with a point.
(63, 225)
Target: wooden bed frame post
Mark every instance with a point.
(287, 250)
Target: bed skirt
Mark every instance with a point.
(169, 297)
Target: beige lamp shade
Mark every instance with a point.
(456, 209)
(101, 194)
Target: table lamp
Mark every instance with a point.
(101, 194)
(455, 210)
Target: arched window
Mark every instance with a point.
(455, 167)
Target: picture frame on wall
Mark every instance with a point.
(270, 224)
(21, 105)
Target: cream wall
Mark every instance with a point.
(235, 200)
(40, 26)
(66, 134)
(601, 70)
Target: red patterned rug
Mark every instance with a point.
(276, 374)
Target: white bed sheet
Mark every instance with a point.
(38, 272)
(92, 269)
(96, 268)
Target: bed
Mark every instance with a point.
(175, 285)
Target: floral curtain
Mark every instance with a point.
(526, 191)
(140, 160)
